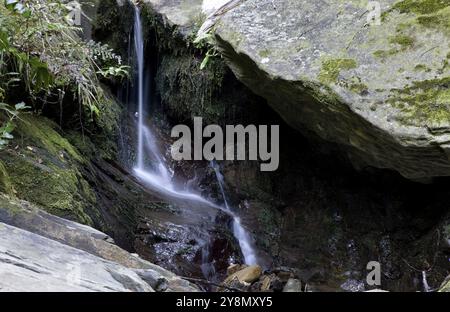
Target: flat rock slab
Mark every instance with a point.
(42, 252)
(32, 263)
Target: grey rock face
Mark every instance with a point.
(293, 285)
(184, 14)
(29, 262)
(379, 91)
(41, 252)
(30, 218)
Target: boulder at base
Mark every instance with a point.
(248, 275)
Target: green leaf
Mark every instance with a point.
(26, 13)
(4, 42)
(205, 62)
(11, 4)
(7, 135)
(21, 106)
(9, 127)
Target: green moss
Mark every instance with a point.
(10, 204)
(359, 88)
(384, 53)
(112, 25)
(58, 190)
(421, 67)
(331, 69)
(40, 132)
(5, 182)
(425, 102)
(439, 21)
(433, 14)
(42, 167)
(264, 53)
(186, 90)
(106, 135)
(404, 41)
(420, 6)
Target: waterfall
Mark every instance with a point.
(239, 232)
(426, 287)
(157, 175)
(139, 48)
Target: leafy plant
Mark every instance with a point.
(38, 43)
(8, 126)
(121, 72)
(206, 42)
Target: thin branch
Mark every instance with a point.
(200, 280)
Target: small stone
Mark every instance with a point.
(233, 269)
(152, 278)
(248, 275)
(265, 283)
(293, 285)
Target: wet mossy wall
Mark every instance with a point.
(184, 89)
(41, 166)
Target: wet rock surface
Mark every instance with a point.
(328, 223)
(201, 250)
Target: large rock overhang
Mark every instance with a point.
(379, 91)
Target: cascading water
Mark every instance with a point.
(239, 232)
(156, 173)
(159, 177)
(139, 48)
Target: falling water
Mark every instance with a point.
(239, 232)
(139, 47)
(426, 287)
(159, 177)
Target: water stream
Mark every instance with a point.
(156, 173)
(152, 169)
(239, 232)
